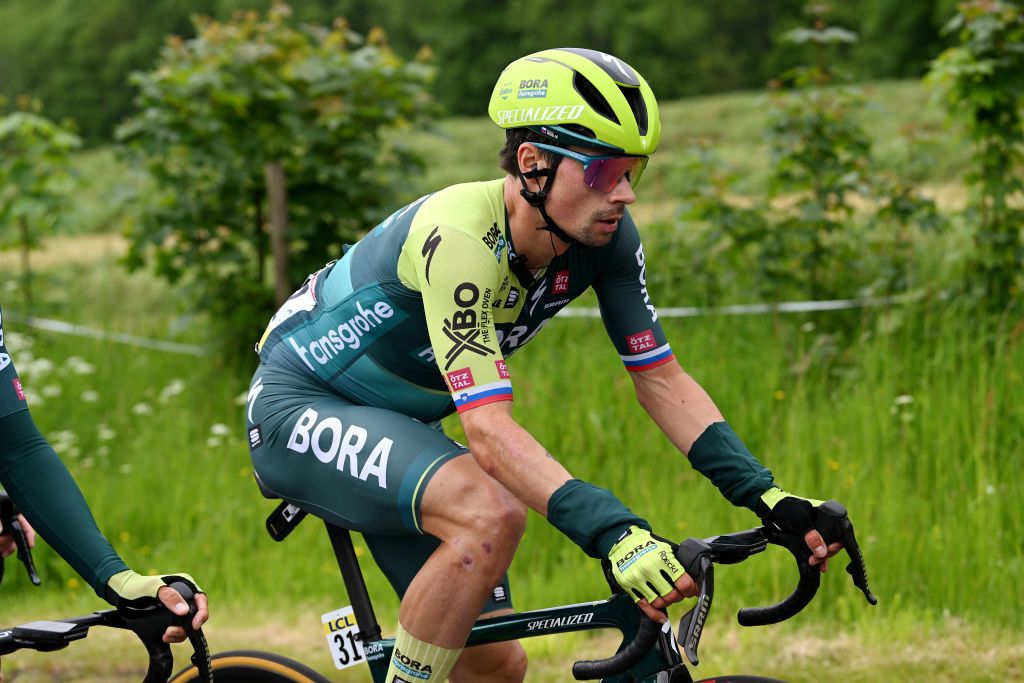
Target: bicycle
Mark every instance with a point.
(648, 653)
(148, 623)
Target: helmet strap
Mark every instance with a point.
(536, 199)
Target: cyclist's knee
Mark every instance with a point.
(494, 663)
(495, 520)
(495, 511)
(463, 502)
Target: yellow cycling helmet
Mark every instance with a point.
(576, 96)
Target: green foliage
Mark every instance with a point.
(253, 91)
(33, 181)
(799, 238)
(76, 56)
(983, 78)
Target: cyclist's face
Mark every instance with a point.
(589, 215)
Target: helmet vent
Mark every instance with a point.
(636, 103)
(593, 97)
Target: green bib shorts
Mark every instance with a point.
(358, 467)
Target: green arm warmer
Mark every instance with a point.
(593, 518)
(43, 490)
(720, 456)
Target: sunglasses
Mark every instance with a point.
(603, 173)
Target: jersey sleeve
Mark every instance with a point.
(43, 490)
(12, 396)
(628, 314)
(458, 276)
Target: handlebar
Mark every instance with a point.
(147, 622)
(699, 557)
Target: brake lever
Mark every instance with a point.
(695, 555)
(200, 648)
(834, 522)
(10, 523)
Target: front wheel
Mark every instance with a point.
(739, 679)
(251, 666)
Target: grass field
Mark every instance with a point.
(911, 415)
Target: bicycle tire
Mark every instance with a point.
(739, 679)
(253, 666)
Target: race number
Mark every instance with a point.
(343, 638)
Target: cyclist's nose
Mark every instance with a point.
(622, 192)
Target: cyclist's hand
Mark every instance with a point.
(7, 545)
(130, 587)
(647, 569)
(796, 515)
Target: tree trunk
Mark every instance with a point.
(277, 198)
(259, 236)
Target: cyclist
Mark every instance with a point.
(42, 488)
(414, 323)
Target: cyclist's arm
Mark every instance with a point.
(43, 490)
(676, 403)
(680, 407)
(510, 454)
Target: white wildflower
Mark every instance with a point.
(62, 436)
(142, 409)
(125, 468)
(104, 432)
(90, 396)
(79, 366)
(22, 343)
(38, 367)
(174, 388)
(904, 399)
(52, 391)
(220, 429)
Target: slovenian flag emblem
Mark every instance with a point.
(482, 395)
(645, 361)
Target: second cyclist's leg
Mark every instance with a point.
(479, 524)
(491, 663)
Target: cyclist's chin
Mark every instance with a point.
(597, 234)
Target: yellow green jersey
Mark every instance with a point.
(420, 315)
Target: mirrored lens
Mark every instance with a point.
(605, 174)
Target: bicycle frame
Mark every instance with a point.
(617, 612)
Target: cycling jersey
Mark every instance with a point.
(419, 316)
(42, 488)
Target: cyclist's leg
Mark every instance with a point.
(377, 471)
(491, 663)
(479, 523)
(400, 558)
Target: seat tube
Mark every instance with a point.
(341, 541)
